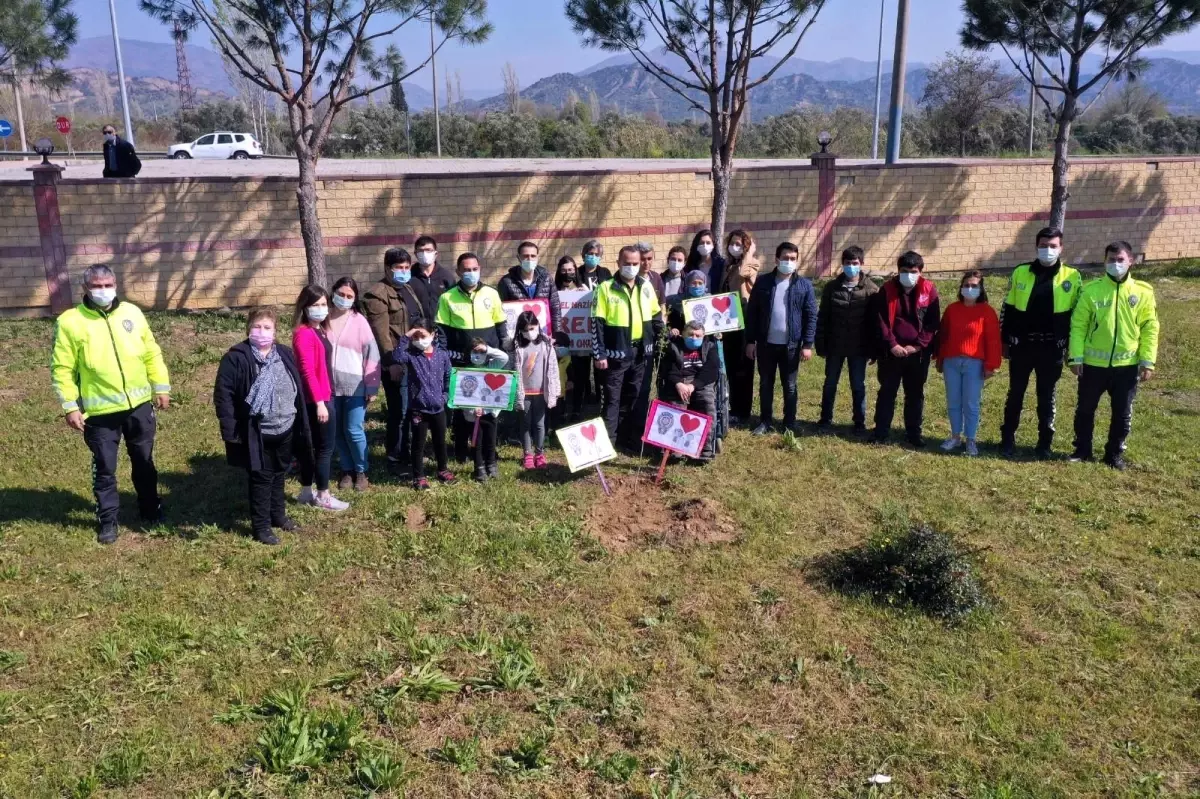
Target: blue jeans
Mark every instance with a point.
(964, 387)
(857, 365)
(351, 437)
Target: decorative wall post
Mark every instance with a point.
(54, 250)
(826, 182)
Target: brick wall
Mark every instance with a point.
(209, 242)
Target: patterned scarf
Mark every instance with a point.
(262, 395)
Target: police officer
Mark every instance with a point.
(1113, 347)
(1035, 323)
(106, 367)
(626, 323)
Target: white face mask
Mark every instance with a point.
(786, 267)
(532, 335)
(422, 343)
(735, 250)
(1048, 255)
(342, 302)
(102, 297)
(528, 264)
(705, 250)
(1116, 270)
(478, 358)
(426, 258)
(909, 279)
(675, 266)
(629, 272)
(316, 313)
(110, 137)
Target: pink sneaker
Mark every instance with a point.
(539, 461)
(529, 462)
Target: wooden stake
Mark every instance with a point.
(662, 467)
(603, 483)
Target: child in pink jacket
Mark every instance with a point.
(313, 354)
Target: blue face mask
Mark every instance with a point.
(695, 291)
(851, 270)
(970, 292)
(591, 261)
(693, 342)
(401, 276)
(470, 279)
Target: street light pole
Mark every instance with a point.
(1032, 96)
(112, 11)
(437, 120)
(899, 63)
(878, 85)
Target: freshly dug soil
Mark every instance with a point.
(640, 513)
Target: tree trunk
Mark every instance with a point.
(721, 174)
(310, 221)
(1062, 139)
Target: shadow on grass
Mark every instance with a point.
(51, 506)
(209, 494)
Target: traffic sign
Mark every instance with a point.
(5, 128)
(63, 124)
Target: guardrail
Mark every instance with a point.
(152, 155)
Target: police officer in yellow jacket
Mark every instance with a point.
(626, 322)
(1035, 323)
(1114, 344)
(106, 367)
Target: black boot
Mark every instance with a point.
(107, 534)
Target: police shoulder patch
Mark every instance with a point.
(1133, 301)
(487, 303)
(128, 325)
(1066, 286)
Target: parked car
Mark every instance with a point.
(222, 144)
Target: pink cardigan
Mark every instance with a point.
(313, 363)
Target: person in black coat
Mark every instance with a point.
(260, 404)
(120, 159)
(690, 377)
(530, 281)
(429, 277)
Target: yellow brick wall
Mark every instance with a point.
(149, 224)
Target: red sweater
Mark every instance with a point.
(971, 331)
(313, 359)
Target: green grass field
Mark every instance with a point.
(476, 641)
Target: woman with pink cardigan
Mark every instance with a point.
(313, 355)
(355, 381)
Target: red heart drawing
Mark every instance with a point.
(533, 309)
(589, 432)
(721, 303)
(495, 381)
(689, 423)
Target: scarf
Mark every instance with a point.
(262, 395)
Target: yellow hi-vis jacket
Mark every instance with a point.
(106, 361)
(1114, 324)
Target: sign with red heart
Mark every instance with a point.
(719, 313)
(585, 444)
(677, 430)
(489, 389)
(539, 308)
(494, 381)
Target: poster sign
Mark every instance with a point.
(492, 390)
(586, 444)
(540, 307)
(677, 430)
(575, 315)
(719, 313)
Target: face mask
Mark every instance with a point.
(102, 297)
(1048, 255)
(110, 137)
(786, 267)
(316, 313)
(262, 338)
(1116, 270)
(478, 358)
(705, 250)
(909, 279)
(851, 271)
(735, 250)
(426, 258)
(695, 291)
(675, 266)
(422, 343)
(528, 265)
(693, 343)
(568, 276)
(470, 279)
(532, 335)
(970, 292)
(591, 261)
(630, 272)
(401, 276)
(342, 302)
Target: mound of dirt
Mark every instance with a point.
(640, 513)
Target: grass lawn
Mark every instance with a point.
(478, 641)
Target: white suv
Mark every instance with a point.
(223, 144)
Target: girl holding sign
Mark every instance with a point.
(428, 368)
(538, 389)
(486, 357)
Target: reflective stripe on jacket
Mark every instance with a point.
(106, 361)
(1114, 324)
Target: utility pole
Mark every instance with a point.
(112, 11)
(878, 85)
(16, 84)
(1032, 97)
(437, 120)
(899, 62)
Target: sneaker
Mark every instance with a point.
(528, 462)
(951, 444)
(972, 449)
(734, 421)
(1043, 454)
(879, 437)
(493, 470)
(330, 503)
(306, 496)
(481, 475)
(346, 481)
(268, 538)
(447, 477)
(1116, 462)
(360, 482)
(1079, 456)
(762, 430)
(420, 484)
(287, 525)
(539, 461)
(1008, 449)
(107, 534)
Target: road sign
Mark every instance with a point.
(63, 124)
(5, 128)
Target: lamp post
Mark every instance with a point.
(112, 13)
(878, 84)
(899, 63)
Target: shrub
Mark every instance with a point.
(918, 567)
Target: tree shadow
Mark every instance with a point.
(57, 506)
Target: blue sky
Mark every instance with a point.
(536, 37)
